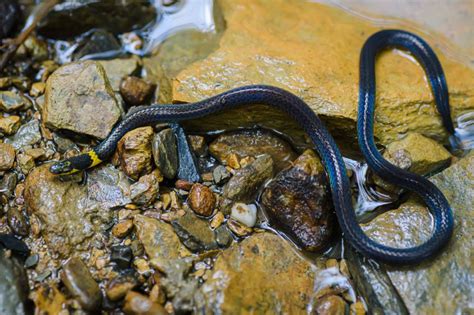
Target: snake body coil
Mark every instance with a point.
(324, 143)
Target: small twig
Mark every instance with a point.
(35, 17)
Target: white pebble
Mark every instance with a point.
(245, 214)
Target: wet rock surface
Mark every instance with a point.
(291, 57)
(161, 243)
(118, 69)
(139, 304)
(12, 101)
(165, 153)
(202, 200)
(145, 191)
(7, 156)
(134, 152)
(136, 91)
(444, 284)
(72, 215)
(253, 142)
(195, 233)
(75, 93)
(422, 155)
(10, 124)
(27, 135)
(71, 18)
(298, 202)
(243, 186)
(262, 274)
(13, 286)
(99, 42)
(80, 284)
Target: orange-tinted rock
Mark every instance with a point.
(134, 152)
(202, 200)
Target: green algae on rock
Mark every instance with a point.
(74, 94)
(278, 43)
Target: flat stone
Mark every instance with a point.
(13, 101)
(298, 202)
(10, 124)
(27, 135)
(79, 282)
(262, 275)
(73, 216)
(98, 43)
(119, 68)
(134, 152)
(194, 233)
(253, 142)
(258, 48)
(161, 243)
(243, 186)
(444, 284)
(7, 156)
(75, 93)
(74, 17)
(165, 153)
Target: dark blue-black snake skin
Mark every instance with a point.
(326, 146)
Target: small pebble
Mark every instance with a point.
(7, 156)
(331, 305)
(245, 214)
(238, 228)
(136, 91)
(120, 286)
(31, 261)
(220, 175)
(217, 220)
(142, 266)
(358, 308)
(43, 276)
(139, 304)
(122, 229)
(199, 145)
(37, 89)
(202, 200)
(332, 263)
(10, 124)
(233, 161)
(183, 184)
(121, 255)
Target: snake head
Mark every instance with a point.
(62, 168)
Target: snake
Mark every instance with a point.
(324, 143)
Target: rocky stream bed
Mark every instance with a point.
(229, 214)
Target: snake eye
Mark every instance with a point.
(61, 167)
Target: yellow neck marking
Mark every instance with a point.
(95, 159)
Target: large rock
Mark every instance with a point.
(261, 275)
(75, 94)
(445, 284)
(298, 202)
(313, 51)
(74, 17)
(74, 216)
(253, 142)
